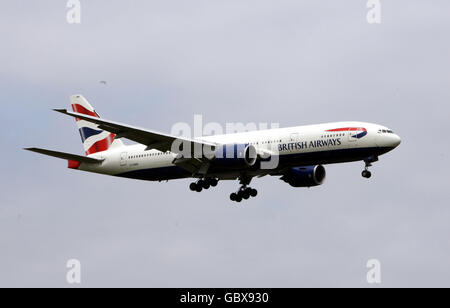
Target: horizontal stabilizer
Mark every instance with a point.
(78, 158)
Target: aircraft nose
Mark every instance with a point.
(387, 139)
(396, 140)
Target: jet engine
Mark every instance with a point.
(235, 156)
(305, 176)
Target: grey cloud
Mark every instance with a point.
(292, 62)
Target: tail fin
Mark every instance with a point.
(94, 139)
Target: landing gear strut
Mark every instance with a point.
(368, 163)
(244, 192)
(203, 184)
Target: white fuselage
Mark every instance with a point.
(296, 146)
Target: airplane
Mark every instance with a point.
(296, 155)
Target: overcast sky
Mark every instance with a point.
(290, 62)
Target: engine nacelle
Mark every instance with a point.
(305, 176)
(235, 156)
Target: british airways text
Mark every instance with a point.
(312, 144)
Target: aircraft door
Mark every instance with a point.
(352, 135)
(123, 159)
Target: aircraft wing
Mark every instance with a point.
(151, 139)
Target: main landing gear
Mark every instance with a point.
(203, 184)
(243, 193)
(368, 163)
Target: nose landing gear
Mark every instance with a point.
(368, 163)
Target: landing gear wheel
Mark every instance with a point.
(198, 188)
(366, 173)
(193, 187)
(214, 182)
(243, 194)
(233, 197)
(246, 194)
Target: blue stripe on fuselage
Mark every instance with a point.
(331, 156)
(286, 160)
(157, 174)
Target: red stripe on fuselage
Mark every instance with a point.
(80, 109)
(344, 129)
(101, 145)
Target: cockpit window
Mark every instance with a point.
(385, 131)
